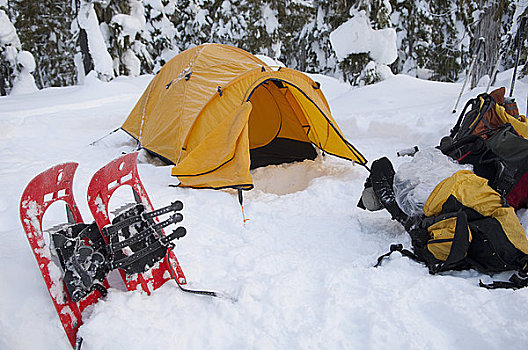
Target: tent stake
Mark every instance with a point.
(241, 201)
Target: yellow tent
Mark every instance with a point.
(215, 111)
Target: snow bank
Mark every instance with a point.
(357, 36)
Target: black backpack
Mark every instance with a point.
(501, 158)
(486, 137)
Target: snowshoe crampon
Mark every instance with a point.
(82, 254)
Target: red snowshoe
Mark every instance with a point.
(77, 260)
(119, 172)
(53, 185)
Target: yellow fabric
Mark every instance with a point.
(209, 105)
(474, 192)
(265, 118)
(442, 234)
(521, 126)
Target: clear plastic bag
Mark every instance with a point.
(415, 180)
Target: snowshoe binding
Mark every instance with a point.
(82, 254)
(136, 240)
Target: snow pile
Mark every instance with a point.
(300, 269)
(357, 36)
(272, 62)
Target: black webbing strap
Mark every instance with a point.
(515, 282)
(143, 234)
(398, 248)
(112, 229)
(459, 121)
(460, 244)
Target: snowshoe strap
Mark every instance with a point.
(164, 242)
(143, 234)
(136, 240)
(112, 229)
(136, 244)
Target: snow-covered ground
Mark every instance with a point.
(301, 268)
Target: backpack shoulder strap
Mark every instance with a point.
(465, 127)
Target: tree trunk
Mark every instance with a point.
(489, 27)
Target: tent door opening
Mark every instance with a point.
(277, 127)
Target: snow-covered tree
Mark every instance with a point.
(434, 40)
(9, 47)
(45, 30)
(494, 21)
(413, 23)
(364, 51)
(88, 22)
(193, 22)
(232, 24)
(161, 32)
(509, 61)
(124, 29)
(305, 37)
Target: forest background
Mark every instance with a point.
(58, 42)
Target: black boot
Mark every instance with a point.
(382, 179)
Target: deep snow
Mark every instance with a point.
(301, 268)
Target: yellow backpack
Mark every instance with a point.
(469, 226)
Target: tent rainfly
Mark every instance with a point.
(215, 112)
